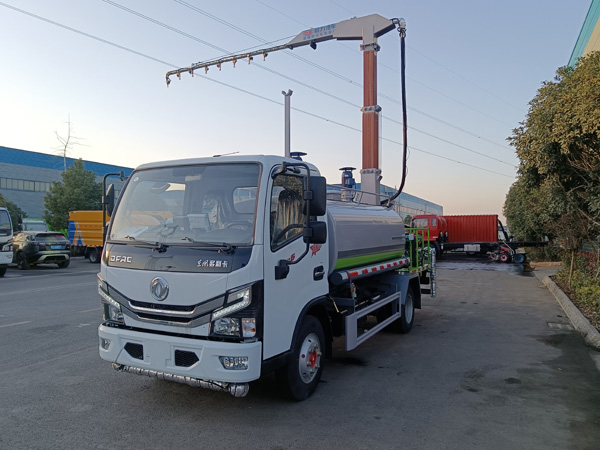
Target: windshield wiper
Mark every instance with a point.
(158, 246)
(224, 247)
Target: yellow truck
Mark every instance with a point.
(85, 234)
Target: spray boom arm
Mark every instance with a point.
(367, 29)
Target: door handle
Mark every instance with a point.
(318, 273)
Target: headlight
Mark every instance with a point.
(238, 326)
(227, 325)
(112, 308)
(235, 301)
(112, 312)
(7, 247)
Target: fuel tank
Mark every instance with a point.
(362, 234)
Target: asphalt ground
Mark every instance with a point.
(491, 363)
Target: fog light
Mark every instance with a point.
(249, 327)
(234, 362)
(104, 343)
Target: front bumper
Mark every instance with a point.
(6, 258)
(153, 352)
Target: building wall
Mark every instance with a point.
(405, 204)
(25, 177)
(589, 36)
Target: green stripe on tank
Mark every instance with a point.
(357, 261)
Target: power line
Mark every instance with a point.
(430, 116)
(444, 67)
(121, 47)
(247, 33)
(295, 80)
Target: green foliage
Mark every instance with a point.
(558, 189)
(13, 210)
(546, 253)
(589, 295)
(78, 191)
(407, 220)
(522, 210)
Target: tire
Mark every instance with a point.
(435, 246)
(519, 258)
(22, 262)
(504, 257)
(64, 264)
(2, 272)
(94, 256)
(405, 323)
(303, 372)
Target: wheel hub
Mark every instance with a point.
(310, 358)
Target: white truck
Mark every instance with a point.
(6, 237)
(217, 271)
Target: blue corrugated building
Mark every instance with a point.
(589, 36)
(26, 176)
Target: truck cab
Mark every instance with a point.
(437, 226)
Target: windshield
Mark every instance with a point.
(5, 225)
(189, 205)
(35, 226)
(420, 223)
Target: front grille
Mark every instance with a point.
(185, 359)
(162, 307)
(135, 350)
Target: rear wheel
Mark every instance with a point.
(94, 256)
(303, 372)
(407, 317)
(22, 262)
(2, 271)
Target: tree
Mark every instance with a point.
(559, 150)
(407, 220)
(78, 191)
(13, 210)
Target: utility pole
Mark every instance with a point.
(287, 96)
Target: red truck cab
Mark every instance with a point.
(438, 229)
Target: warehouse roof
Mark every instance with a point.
(44, 161)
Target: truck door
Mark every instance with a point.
(285, 298)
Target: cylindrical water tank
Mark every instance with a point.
(362, 234)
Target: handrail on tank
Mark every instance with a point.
(418, 248)
(356, 194)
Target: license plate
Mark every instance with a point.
(56, 247)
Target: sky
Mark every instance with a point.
(472, 67)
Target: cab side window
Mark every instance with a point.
(287, 218)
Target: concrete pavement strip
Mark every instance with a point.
(580, 323)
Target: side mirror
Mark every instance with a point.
(318, 203)
(315, 233)
(109, 199)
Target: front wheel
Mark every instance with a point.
(64, 264)
(303, 372)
